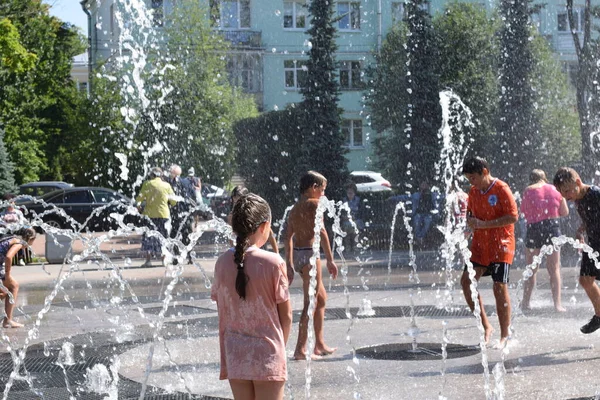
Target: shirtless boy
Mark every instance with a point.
(300, 236)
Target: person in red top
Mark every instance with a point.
(491, 214)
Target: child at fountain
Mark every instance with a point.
(542, 206)
(9, 247)
(238, 192)
(491, 214)
(587, 200)
(255, 315)
(300, 236)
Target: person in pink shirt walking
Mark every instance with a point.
(255, 314)
(542, 206)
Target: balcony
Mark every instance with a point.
(245, 39)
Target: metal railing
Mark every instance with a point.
(243, 38)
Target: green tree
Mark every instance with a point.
(323, 141)
(207, 104)
(560, 142)
(386, 99)
(12, 54)
(468, 54)
(424, 112)
(587, 49)
(34, 102)
(518, 127)
(405, 90)
(188, 109)
(275, 135)
(7, 181)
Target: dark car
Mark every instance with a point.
(79, 203)
(38, 189)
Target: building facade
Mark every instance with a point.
(80, 72)
(270, 47)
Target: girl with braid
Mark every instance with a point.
(255, 315)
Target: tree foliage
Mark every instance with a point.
(470, 63)
(13, 55)
(518, 126)
(405, 101)
(269, 149)
(38, 104)
(323, 141)
(559, 142)
(587, 48)
(181, 111)
(7, 181)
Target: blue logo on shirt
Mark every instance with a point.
(493, 200)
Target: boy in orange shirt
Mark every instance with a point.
(491, 214)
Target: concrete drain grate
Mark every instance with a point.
(178, 311)
(401, 311)
(425, 351)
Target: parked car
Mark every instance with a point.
(369, 181)
(37, 189)
(79, 203)
(216, 198)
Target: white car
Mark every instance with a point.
(369, 181)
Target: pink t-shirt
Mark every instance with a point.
(541, 203)
(250, 334)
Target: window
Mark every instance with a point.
(397, 12)
(295, 74)
(230, 14)
(353, 132)
(350, 75)
(83, 87)
(294, 15)
(349, 15)
(361, 179)
(158, 12)
(79, 196)
(104, 196)
(563, 20)
(245, 71)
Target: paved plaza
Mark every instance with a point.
(90, 335)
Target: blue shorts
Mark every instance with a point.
(588, 268)
(498, 270)
(541, 233)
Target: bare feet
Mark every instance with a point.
(560, 309)
(302, 357)
(9, 323)
(502, 343)
(325, 350)
(488, 334)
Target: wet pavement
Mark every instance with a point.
(91, 327)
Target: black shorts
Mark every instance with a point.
(541, 233)
(499, 271)
(588, 268)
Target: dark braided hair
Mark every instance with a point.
(249, 213)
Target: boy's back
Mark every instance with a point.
(301, 222)
(588, 209)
